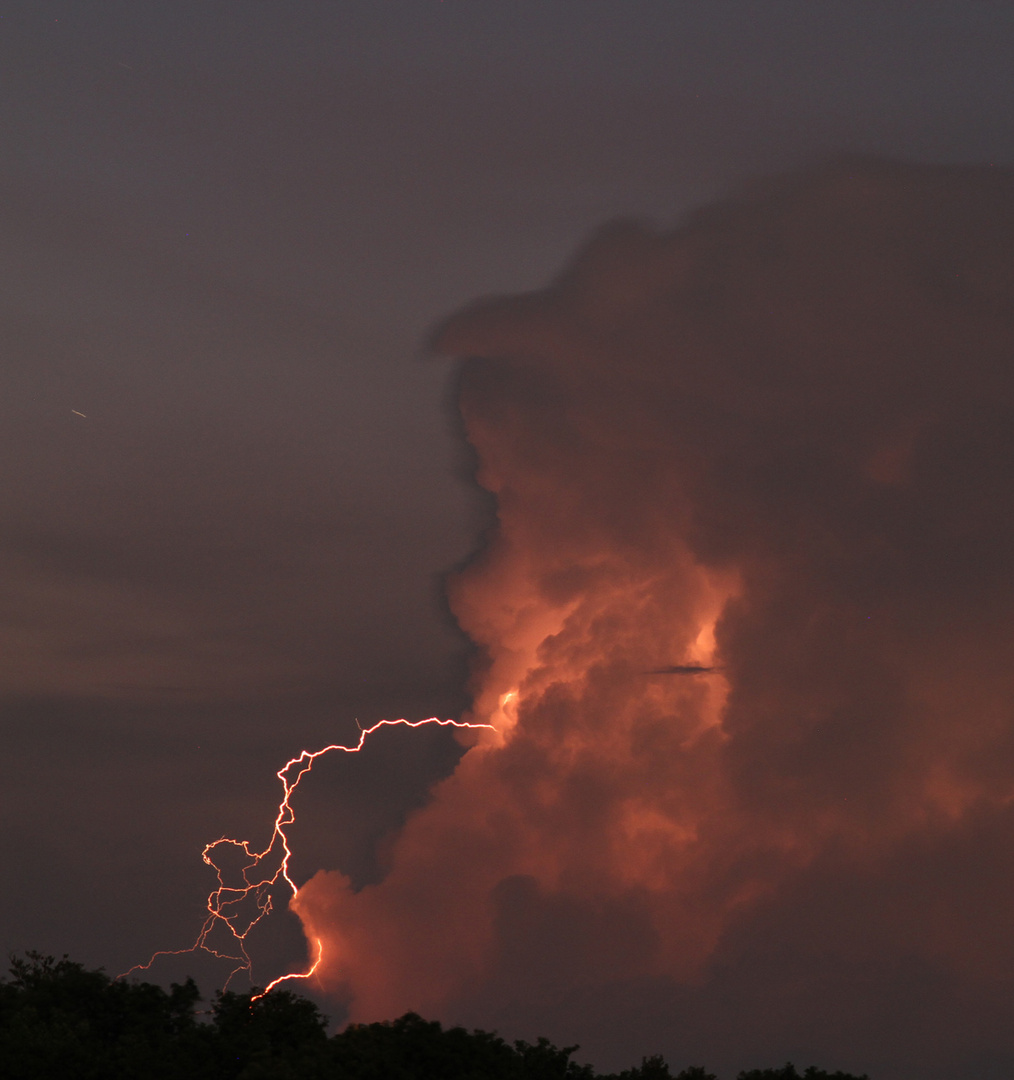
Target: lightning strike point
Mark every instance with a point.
(295, 975)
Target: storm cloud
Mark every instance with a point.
(773, 446)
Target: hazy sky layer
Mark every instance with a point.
(228, 230)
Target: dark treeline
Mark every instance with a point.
(59, 1020)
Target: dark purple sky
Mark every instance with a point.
(227, 231)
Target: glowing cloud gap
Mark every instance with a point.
(227, 904)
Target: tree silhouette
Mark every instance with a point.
(58, 1020)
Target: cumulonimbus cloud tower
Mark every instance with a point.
(776, 441)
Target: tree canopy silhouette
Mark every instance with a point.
(59, 1020)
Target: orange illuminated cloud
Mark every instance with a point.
(775, 445)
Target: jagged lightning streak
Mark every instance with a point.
(228, 905)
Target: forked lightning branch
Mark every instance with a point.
(238, 907)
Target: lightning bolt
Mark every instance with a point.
(228, 906)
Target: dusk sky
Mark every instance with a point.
(743, 401)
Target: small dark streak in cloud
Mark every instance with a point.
(684, 669)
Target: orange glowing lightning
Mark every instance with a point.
(229, 905)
